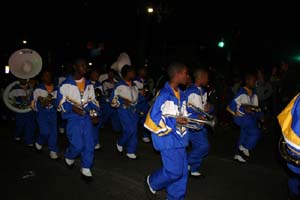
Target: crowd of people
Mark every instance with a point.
(173, 113)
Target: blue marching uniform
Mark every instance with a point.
(46, 117)
(79, 128)
(197, 97)
(250, 132)
(25, 122)
(290, 126)
(96, 128)
(127, 115)
(109, 113)
(143, 106)
(171, 140)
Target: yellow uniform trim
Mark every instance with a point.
(285, 119)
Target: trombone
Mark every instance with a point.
(194, 124)
(199, 110)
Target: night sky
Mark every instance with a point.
(258, 33)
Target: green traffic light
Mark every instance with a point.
(221, 44)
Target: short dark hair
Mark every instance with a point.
(198, 71)
(125, 70)
(174, 68)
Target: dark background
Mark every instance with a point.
(255, 34)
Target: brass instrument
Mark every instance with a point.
(194, 124)
(98, 94)
(131, 106)
(83, 106)
(24, 64)
(200, 111)
(289, 157)
(252, 107)
(49, 99)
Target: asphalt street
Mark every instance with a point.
(28, 175)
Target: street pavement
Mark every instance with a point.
(28, 175)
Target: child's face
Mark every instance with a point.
(204, 79)
(131, 75)
(47, 77)
(80, 67)
(182, 76)
(251, 82)
(94, 76)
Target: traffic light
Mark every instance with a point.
(221, 44)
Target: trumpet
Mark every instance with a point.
(200, 111)
(194, 124)
(252, 107)
(93, 113)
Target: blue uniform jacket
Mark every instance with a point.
(165, 133)
(41, 91)
(69, 95)
(241, 98)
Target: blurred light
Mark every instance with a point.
(150, 10)
(221, 44)
(6, 69)
(90, 64)
(24, 41)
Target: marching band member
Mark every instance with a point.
(246, 113)
(76, 98)
(109, 113)
(169, 136)
(45, 105)
(125, 97)
(143, 106)
(196, 101)
(94, 76)
(289, 122)
(25, 122)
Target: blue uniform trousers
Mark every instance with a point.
(173, 175)
(81, 138)
(48, 130)
(200, 148)
(249, 134)
(129, 122)
(25, 124)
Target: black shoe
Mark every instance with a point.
(149, 194)
(86, 179)
(69, 166)
(241, 153)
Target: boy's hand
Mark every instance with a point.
(248, 110)
(207, 107)
(77, 110)
(181, 121)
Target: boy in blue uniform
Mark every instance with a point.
(25, 122)
(76, 98)
(94, 76)
(197, 100)
(290, 127)
(109, 113)
(246, 113)
(169, 136)
(45, 105)
(125, 98)
(143, 106)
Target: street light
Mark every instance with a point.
(90, 64)
(150, 10)
(24, 41)
(6, 69)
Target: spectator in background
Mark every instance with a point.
(263, 89)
